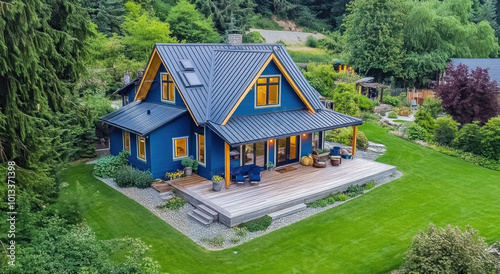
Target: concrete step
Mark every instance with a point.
(200, 217)
(165, 196)
(205, 209)
(287, 211)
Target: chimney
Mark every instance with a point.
(126, 78)
(234, 37)
(140, 73)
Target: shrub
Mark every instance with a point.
(416, 132)
(253, 37)
(128, 176)
(354, 190)
(340, 197)
(241, 231)
(345, 102)
(425, 120)
(369, 116)
(490, 142)
(344, 136)
(312, 42)
(404, 111)
(392, 115)
(330, 199)
(107, 166)
(393, 101)
(190, 162)
(173, 204)
(445, 131)
(469, 138)
(403, 100)
(364, 103)
(235, 240)
(318, 203)
(216, 241)
(432, 106)
(369, 185)
(448, 250)
(258, 224)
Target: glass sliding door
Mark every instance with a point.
(254, 154)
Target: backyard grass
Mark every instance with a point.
(366, 235)
(303, 54)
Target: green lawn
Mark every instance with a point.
(368, 234)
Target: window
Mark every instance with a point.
(201, 148)
(180, 147)
(125, 100)
(126, 140)
(268, 91)
(167, 88)
(141, 147)
(254, 154)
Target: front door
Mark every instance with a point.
(288, 150)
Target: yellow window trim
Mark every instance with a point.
(139, 147)
(149, 75)
(287, 77)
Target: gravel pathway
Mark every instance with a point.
(150, 199)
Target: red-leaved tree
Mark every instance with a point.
(469, 96)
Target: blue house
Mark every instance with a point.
(226, 105)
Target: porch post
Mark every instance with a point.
(354, 136)
(227, 171)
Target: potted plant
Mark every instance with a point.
(217, 182)
(190, 165)
(270, 166)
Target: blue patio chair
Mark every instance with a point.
(254, 175)
(237, 175)
(335, 151)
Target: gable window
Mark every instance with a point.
(268, 91)
(201, 148)
(180, 147)
(141, 147)
(126, 140)
(167, 88)
(125, 100)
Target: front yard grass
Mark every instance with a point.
(366, 235)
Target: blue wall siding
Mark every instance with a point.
(115, 141)
(162, 145)
(215, 154)
(154, 94)
(289, 99)
(130, 93)
(305, 145)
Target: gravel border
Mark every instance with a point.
(150, 199)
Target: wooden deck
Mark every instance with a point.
(278, 191)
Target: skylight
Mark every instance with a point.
(186, 64)
(190, 79)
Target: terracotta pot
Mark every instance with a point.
(335, 160)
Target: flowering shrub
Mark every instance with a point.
(175, 175)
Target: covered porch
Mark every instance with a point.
(278, 190)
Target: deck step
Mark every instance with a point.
(201, 217)
(205, 209)
(287, 211)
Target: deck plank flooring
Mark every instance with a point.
(281, 190)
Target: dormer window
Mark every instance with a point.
(268, 91)
(167, 88)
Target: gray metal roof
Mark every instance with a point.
(135, 118)
(132, 83)
(209, 62)
(261, 127)
(493, 64)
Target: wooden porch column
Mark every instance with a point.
(354, 136)
(227, 171)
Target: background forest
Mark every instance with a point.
(60, 61)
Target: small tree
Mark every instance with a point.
(433, 106)
(449, 250)
(468, 96)
(469, 139)
(424, 119)
(490, 142)
(445, 131)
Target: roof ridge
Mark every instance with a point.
(218, 44)
(244, 50)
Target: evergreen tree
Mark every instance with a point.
(187, 24)
(374, 37)
(110, 16)
(487, 12)
(227, 13)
